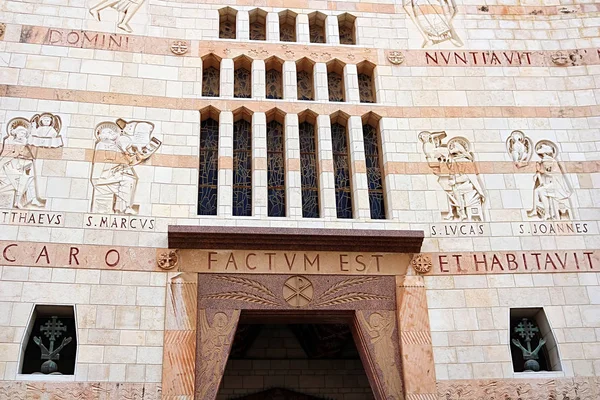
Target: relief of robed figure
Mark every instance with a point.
(119, 148)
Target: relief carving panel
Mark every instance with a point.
(16, 390)
(126, 9)
(434, 20)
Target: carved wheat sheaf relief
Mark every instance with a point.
(249, 283)
(242, 296)
(332, 298)
(346, 283)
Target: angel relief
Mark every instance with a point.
(18, 171)
(119, 148)
(453, 163)
(434, 20)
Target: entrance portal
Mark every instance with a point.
(293, 362)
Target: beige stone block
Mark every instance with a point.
(7, 334)
(111, 277)
(572, 316)
(103, 336)
(120, 354)
(153, 373)
(15, 273)
(499, 280)
(98, 372)
(518, 297)
(481, 297)
(485, 338)
(470, 281)
(154, 338)
(117, 373)
(136, 278)
(583, 368)
(441, 320)
(5, 313)
(460, 338)
(579, 335)
(63, 275)
(487, 371)
(590, 316)
(21, 312)
(152, 318)
(571, 351)
(114, 295)
(133, 338)
(58, 293)
(10, 291)
(135, 373)
(158, 279)
(445, 298)
(127, 317)
(105, 317)
(90, 354)
(469, 354)
(460, 371)
(149, 355)
(465, 319)
(151, 296)
(576, 295)
(496, 354)
(40, 274)
(89, 276)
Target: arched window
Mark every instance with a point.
(242, 77)
(308, 165)
(335, 80)
(304, 79)
(209, 162)
(258, 24)
(316, 26)
(347, 29)
(242, 164)
(341, 164)
(273, 78)
(366, 87)
(211, 75)
(275, 164)
(287, 26)
(227, 24)
(373, 160)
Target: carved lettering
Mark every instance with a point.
(112, 258)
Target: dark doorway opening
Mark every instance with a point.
(294, 361)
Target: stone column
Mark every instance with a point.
(242, 25)
(358, 168)
(290, 82)
(418, 368)
(258, 79)
(332, 30)
(293, 182)
(272, 21)
(320, 82)
(351, 84)
(326, 173)
(259, 164)
(225, 184)
(226, 78)
(302, 29)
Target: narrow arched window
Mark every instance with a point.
(242, 168)
(211, 76)
(304, 79)
(276, 169)
(242, 78)
(308, 170)
(335, 80)
(287, 26)
(273, 78)
(209, 171)
(341, 164)
(366, 87)
(346, 28)
(227, 23)
(374, 175)
(258, 24)
(316, 26)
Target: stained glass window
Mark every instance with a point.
(341, 163)
(365, 88)
(274, 84)
(305, 85)
(210, 82)
(209, 172)
(374, 178)
(308, 166)
(276, 169)
(242, 83)
(335, 83)
(242, 168)
(227, 23)
(257, 31)
(316, 27)
(346, 28)
(287, 32)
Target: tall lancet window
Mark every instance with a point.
(374, 176)
(276, 169)
(242, 167)
(209, 160)
(308, 169)
(341, 164)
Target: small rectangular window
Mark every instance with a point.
(532, 343)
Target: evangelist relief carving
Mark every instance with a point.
(215, 343)
(453, 163)
(119, 148)
(380, 327)
(434, 20)
(125, 8)
(18, 171)
(551, 188)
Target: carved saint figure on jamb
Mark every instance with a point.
(453, 163)
(18, 171)
(125, 8)
(433, 19)
(119, 148)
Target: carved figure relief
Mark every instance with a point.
(380, 326)
(453, 163)
(520, 148)
(18, 172)
(119, 148)
(125, 8)
(168, 259)
(298, 291)
(434, 20)
(421, 263)
(551, 188)
(215, 342)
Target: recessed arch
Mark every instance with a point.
(341, 164)
(287, 26)
(274, 78)
(242, 77)
(374, 163)
(309, 173)
(258, 24)
(347, 28)
(308, 116)
(366, 82)
(305, 79)
(208, 171)
(242, 113)
(227, 23)
(242, 162)
(335, 80)
(211, 75)
(316, 27)
(276, 168)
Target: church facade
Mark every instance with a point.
(299, 200)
